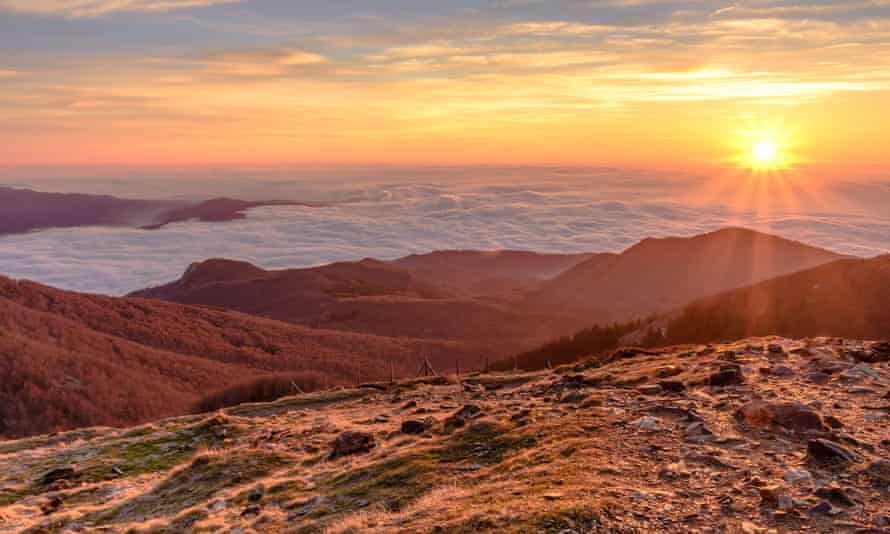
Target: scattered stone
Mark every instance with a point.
(673, 386)
(879, 471)
(781, 370)
(775, 348)
(825, 451)
(793, 476)
(350, 442)
(728, 375)
(834, 495)
(63, 473)
(410, 404)
(825, 508)
(649, 389)
(647, 423)
(791, 415)
(252, 510)
(256, 494)
(698, 431)
(769, 495)
(51, 506)
(859, 372)
(833, 422)
(551, 496)
(463, 416)
(414, 426)
(573, 397)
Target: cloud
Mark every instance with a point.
(566, 210)
(8, 73)
(95, 8)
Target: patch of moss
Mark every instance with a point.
(9, 497)
(484, 442)
(158, 454)
(394, 483)
(196, 483)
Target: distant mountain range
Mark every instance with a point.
(76, 360)
(24, 210)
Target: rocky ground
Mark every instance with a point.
(762, 435)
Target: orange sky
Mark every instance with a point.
(637, 83)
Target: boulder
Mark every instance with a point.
(728, 375)
(414, 426)
(826, 451)
(790, 415)
(63, 473)
(349, 443)
(462, 416)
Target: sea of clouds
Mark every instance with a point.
(572, 211)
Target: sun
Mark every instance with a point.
(765, 152)
(764, 148)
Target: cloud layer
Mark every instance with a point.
(592, 211)
(93, 8)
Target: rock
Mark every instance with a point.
(781, 370)
(793, 476)
(879, 471)
(462, 416)
(413, 426)
(218, 505)
(573, 397)
(649, 389)
(728, 375)
(833, 422)
(64, 473)
(252, 510)
(673, 386)
(859, 372)
(825, 451)
(698, 432)
(410, 404)
(769, 496)
(823, 508)
(791, 415)
(673, 471)
(748, 527)
(882, 520)
(350, 442)
(51, 506)
(819, 377)
(834, 495)
(775, 348)
(256, 494)
(647, 423)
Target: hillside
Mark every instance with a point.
(658, 275)
(455, 296)
(508, 301)
(732, 438)
(72, 360)
(848, 298)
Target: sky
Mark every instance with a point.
(633, 83)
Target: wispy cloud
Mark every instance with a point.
(94, 8)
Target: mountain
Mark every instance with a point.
(72, 360)
(658, 275)
(757, 435)
(847, 298)
(24, 210)
(456, 295)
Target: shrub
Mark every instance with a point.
(264, 389)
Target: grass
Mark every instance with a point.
(196, 483)
(393, 483)
(483, 442)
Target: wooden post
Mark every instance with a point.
(549, 365)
